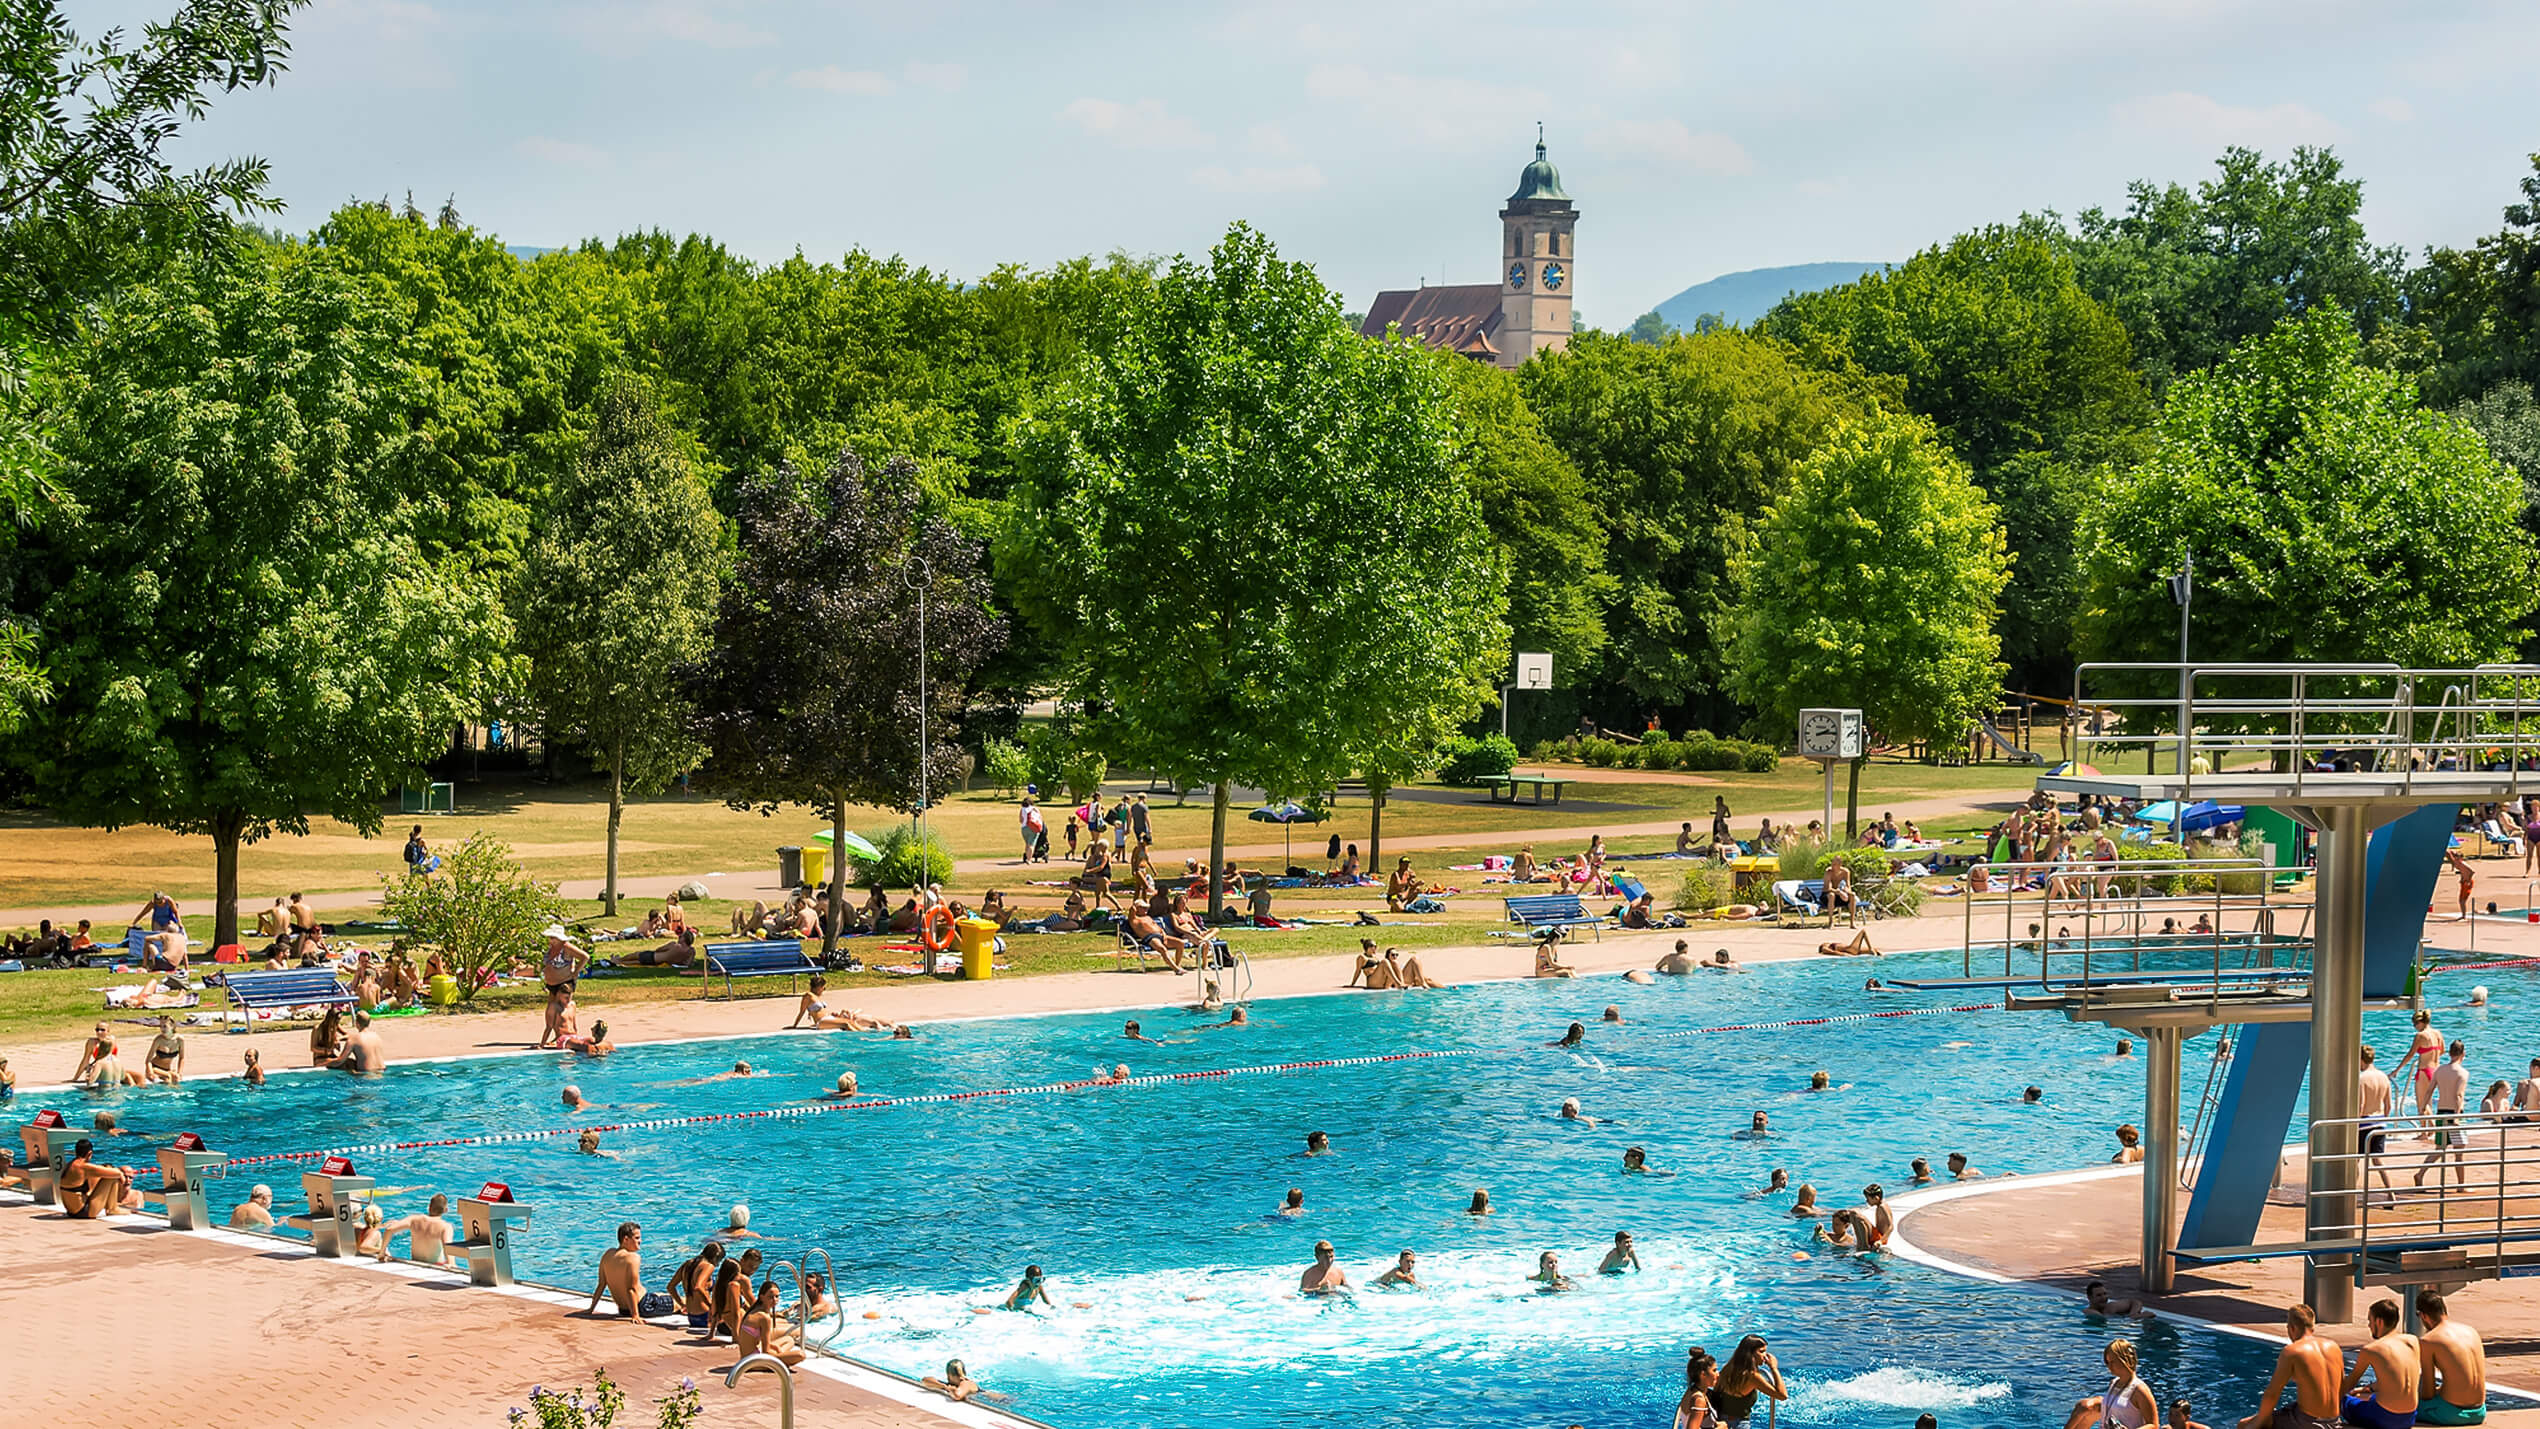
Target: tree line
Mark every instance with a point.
(286, 510)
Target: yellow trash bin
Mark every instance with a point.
(443, 990)
(977, 938)
(815, 865)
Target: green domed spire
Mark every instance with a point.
(1540, 179)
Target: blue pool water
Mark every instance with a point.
(1153, 1203)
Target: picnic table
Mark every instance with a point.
(1492, 784)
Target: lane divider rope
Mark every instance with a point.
(1044, 1089)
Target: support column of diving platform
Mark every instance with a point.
(2384, 812)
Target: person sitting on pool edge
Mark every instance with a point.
(764, 1331)
(2397, 1367)
(1406, 971)
(1371, 972)
(1548, 955)
(621, 1273)
(816, 1007)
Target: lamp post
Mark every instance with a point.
(916, 573)
(2183, 590)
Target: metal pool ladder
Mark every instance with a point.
(2215, 1072)
(784, 1382)
(802, 1298)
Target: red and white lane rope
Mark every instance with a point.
(825, 1108)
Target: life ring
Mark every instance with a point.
(935, 929)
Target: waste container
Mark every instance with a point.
(789, 865)
(978, 940)
(815, 866)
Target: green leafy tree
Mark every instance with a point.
(243, 626)
(2330, 516)
(2194, 273)
(1650, 328)
(1873, 582)
(810, 693)
(1685, 445)
(89, 198)
(2028, 378)
(2507, 419)
(1245, 528)
(618, 592)
(479, 908)
(2482, 303)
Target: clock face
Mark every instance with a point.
(1516, 275)
(1820, 724)
(1552, 276)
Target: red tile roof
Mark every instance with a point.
(1460, 318)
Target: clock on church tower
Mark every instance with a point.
(1539, 267)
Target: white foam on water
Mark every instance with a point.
(1902, 1387)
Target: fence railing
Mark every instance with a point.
(2466, 1180)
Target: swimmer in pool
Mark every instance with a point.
(1480, 1206)
(1638, 978)
(2125, 1046)
(1805, 1203)
(1877, 1221)
(1960, 1169)
(846, 1089)
(1820, 1082)
(1236, 1018)
(1922, 1172)
(2032, 1096)
(1295, 1205)
(589, 1145)
(1318, 1143)
(1843, 1230)
(1636, 1163)
(1776, 1184)
(1133, 1034)
(1759, 1129)
(1405, 1275)
(1720, 963)
(575, 1101)
(1570, 1111)
(1677, 963)
(739, 1069)
(1614, 1014)
(2095, 1301)
(1620, 1257)
(1028, 1291)
(1575, 1037)
(1548, 1275)
(1324, 1276)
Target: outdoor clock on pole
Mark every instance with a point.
(1830, 737)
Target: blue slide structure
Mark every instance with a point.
(2269, 1059)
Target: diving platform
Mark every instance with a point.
(2375, 760)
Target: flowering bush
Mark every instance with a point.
(569, 1409)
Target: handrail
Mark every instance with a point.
(2205, 1102)
(2508, 1211)
(784, 1382)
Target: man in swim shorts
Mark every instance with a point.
(2451, 1089)
(2456, 1360)
(2309, 1362)
(2392, 1359)
(1324, 1276)
(621, 1273)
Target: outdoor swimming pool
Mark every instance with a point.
(1154, 1203)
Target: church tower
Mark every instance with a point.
(1536, 264)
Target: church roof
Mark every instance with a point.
(1538, 180)
(1460, 318)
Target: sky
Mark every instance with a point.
(1374, 140)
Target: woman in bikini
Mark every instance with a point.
(2425, 1053)
(816, 1007)
(327, 1039)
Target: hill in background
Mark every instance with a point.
(1741, 298)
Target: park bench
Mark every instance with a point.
(1553, 910)
(289, 988)
(1492, 784)
(766, 957)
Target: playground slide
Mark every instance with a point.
(2006, 746)
(2269, 1059)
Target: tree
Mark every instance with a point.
(2194, 274)
(1650, 328)
(809, 694)
(479, 908)
(1245, 528)
(1684, 445)
(2482, 303)
(1873, 582)
(2027, 377)
(243, 626)
(1540, 513)
(2331, 518)
(619, 589)
(2507, 419)
(87, 199)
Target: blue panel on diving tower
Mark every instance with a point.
(2269, 1059)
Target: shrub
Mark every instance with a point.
(1703, 889)
(899, 866)
(481, 910)
(1630, 756)
(1599, 753)
(1006, 764)
(567, 1409)
(1760, 758)
(1463, 759)
(1543, 749)
(1658, 752)
(1081, 774)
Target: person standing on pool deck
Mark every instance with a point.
(1751, 1371)
(1620, 1256)
(2451, 1089)
(2310, 1362)
(2456, 1360)
(2392, 1358)
(1324, 1276)
(2425, 1050)
(621, 1272)
(561, 969)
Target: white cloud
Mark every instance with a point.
(710, 23)
(937, 76)
(1461, 113)
(1669, 142)
(562, 151)
(1254, 179)
(1146, 124)
(2212, 124)
(838, 80)
(2397, 111)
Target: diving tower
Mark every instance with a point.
(2374, 759)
